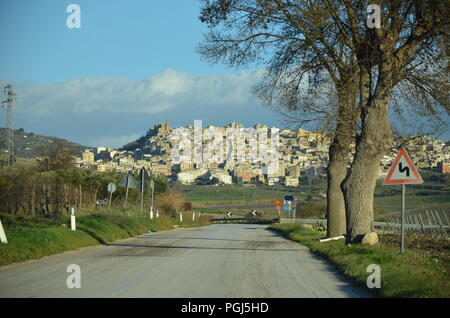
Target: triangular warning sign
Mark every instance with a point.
(278, 203)
(403, 171)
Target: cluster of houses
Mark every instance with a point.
(295, 153)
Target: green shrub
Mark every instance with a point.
(311, 210)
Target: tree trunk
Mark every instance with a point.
(375, 139)
(338, 155)
(359, 185)
(337, 170)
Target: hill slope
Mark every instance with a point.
(26, 143)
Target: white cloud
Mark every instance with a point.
(161, 92)
(114, 111)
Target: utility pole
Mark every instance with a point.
(8, 104)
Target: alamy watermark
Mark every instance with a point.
(74, 19)
(234, 145)
(374, 17)
(74, 279)
(374, 279)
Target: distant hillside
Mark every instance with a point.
(26, 143)
(136, 144)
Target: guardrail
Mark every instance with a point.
(431, 223)
(242, 220)
(375, 223)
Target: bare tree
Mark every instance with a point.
(306, 59)
(409, 39)
(304, 42)
(55, 156)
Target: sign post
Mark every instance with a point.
(143, 177)
(127, 182)
(403, 172)
(288, 199)
(402, 235)
(295, 206)
(111, 190)
(278, 205)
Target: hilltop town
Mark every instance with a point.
(300, 153)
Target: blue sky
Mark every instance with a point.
(131, 65)
(134, 38)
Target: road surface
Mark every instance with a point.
(221, 260)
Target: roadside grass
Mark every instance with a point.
(25, 243)
(36, 237)
(407, 275)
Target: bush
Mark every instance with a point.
(311, 210)
(169, 203)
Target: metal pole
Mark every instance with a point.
(142, 192)
(402, 239)
(430, 224)
(126, 195)
(445, 215)
(289, 204)
(295, 210)
(152, 201)
(422, 224)
(110, 198)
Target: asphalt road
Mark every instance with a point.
(222, 260)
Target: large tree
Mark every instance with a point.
(309, 43)
(303, 57)
(56, 156)
(408, 42)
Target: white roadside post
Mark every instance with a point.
(181, 217)
(193, 216)
(152, 186)
(2, 234)
(73, 225)
(157, 213)
(403, 172)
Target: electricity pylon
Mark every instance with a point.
(8, 104)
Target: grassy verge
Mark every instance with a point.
(33, 237)
(407, 275)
